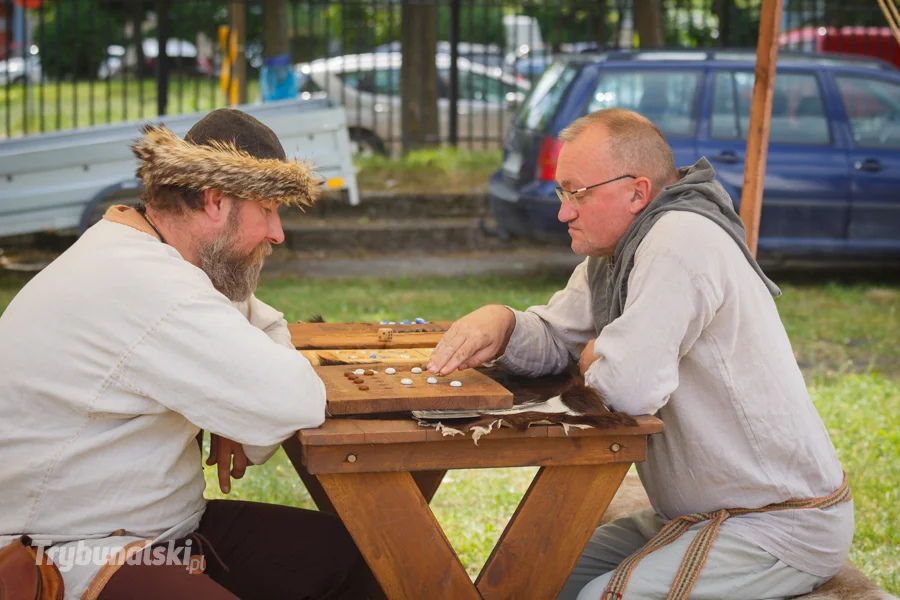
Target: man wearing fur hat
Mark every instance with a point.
(145, 332)
(671, 315)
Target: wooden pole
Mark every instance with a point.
(239, 68)
(760, 119)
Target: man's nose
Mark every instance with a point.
(566, 213)
(276, 232)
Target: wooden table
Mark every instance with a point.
(380, 475)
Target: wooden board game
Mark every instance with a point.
(387, 394)
(311, 336)
(398, 356)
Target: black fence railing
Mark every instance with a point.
(78, 63)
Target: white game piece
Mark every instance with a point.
(359, 371)
(432, 380)
(390, 370)
(415, 370)
(456, 383)
(406, 381)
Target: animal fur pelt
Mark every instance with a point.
(325, 361)
(576, 406)
(167, 159)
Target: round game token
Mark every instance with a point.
(348, 373)
(390, 370)
(456, 383)
(432, 380)
(368, 373)
(415, 370)
(359, 371)
(406, 381)
(363, 387)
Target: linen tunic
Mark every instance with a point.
(700, 344)
(111, 361)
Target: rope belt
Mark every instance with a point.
(698, 551)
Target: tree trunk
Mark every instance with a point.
(723, 11)
(598, 23)
(418, 74)
(137, 38)
(275, 28)
(648, 23)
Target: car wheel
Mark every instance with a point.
(365, 143)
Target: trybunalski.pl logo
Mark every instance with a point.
(82, 554)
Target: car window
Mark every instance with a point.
(381, 81)
(798, 112)
(665, 97)
(541, 104)
(873, 109)
(478, 86)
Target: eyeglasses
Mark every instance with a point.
(570, 195)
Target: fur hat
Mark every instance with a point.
(227, 150)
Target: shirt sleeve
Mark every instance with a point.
(204, 360)
(667, 309)
(547, 338)
(267, 319)
(273, 324)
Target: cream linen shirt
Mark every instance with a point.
(700, 344)
(111, 361)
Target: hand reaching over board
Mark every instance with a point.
(476, 338)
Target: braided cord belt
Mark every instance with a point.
(698, 551)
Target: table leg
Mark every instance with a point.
(549, 530)
(428, 482)
(294, 452)
(398, 535)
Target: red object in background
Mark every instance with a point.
(30, 4)
(546, 160)
(877, 42)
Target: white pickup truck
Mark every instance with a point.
(62, 181)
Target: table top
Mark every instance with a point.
(311, 336)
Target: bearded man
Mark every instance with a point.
(143, 333)
(671, 315)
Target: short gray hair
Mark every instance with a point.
(635, 145)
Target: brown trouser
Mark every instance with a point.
(252, 551)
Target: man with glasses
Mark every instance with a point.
(671, 315)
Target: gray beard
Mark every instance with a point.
(234, 275)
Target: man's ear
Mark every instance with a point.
(215, 205)
(643, 191)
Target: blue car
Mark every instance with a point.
(833, 175)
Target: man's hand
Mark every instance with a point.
(474, 339)
(221, 451)
(587, 357)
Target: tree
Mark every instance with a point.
(71, 46)
(418, 74)
(648, 23)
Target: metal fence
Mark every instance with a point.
(79, 63)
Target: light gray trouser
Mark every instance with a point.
(736, 569)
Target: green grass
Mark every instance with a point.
(80, 104)
(438, 170)
(845, 335)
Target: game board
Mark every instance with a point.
(396, 356)
(311, 336)
(386, 394)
